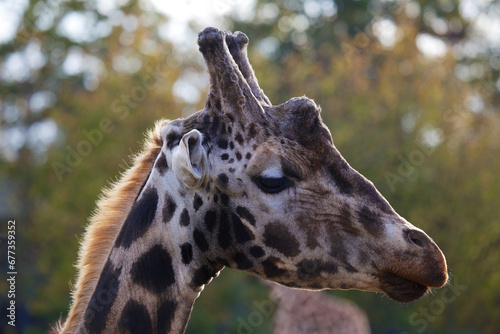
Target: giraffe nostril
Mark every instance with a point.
(416, 241)
(419, 239)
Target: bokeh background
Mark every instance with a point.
(409, 89)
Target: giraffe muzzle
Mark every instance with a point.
(414, 271)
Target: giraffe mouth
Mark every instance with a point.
(401, 289)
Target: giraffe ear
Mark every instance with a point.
(189, 159)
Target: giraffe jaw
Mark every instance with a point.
(401, 289)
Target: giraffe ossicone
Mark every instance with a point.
(247, 185)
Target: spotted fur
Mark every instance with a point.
(112, 210)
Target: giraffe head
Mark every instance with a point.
(267, 192)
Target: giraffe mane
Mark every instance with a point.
(104, 225)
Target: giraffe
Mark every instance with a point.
(247, 185)
(311, 312)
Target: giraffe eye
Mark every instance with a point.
(272, 185)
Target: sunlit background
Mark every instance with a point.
(409, 89)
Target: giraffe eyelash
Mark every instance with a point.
(272, 185)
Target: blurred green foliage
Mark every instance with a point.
(429, 141)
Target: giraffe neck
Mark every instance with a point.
(154, 272)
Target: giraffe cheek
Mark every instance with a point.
(278, 237)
